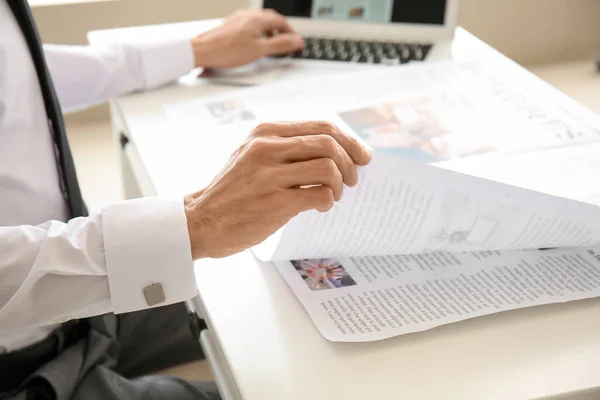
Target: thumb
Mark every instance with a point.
(282, 43)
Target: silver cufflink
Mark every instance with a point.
(154, 294)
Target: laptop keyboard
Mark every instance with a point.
(362, 51)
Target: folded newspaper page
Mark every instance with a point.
(481, 197)
(404, 207)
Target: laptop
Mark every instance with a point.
(347, 35)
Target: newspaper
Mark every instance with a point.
(414, 246)
(471, 177)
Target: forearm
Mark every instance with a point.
(88, 75)
(37, 260)
(90, 266)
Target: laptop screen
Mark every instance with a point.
(431, 12)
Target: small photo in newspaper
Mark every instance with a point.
(230, 111)
(323, 273)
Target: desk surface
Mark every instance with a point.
(273, 350)
(578, 79)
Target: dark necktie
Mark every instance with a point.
(66, 167)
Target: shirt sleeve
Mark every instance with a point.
(89, 75)
(58, 271)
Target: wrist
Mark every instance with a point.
(194, 224)
(202, 52)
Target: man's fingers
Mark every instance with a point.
(306, 148)
(355, 150)
(321, 171)
(320, 198)
(281, 43)
(271, 20)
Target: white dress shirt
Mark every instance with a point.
(51, 270)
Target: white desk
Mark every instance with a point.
(262, 345)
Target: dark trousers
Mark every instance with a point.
(112, 362)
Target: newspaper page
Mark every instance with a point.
(373, 298)
(404, 207)
(433, 112)
(570, 172)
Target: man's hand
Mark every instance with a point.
(280, 170)
(244, 37)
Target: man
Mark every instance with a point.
(57, 264)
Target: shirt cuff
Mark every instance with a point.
(165, 61)
(146, 242)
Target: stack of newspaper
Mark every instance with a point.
(482, 196)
